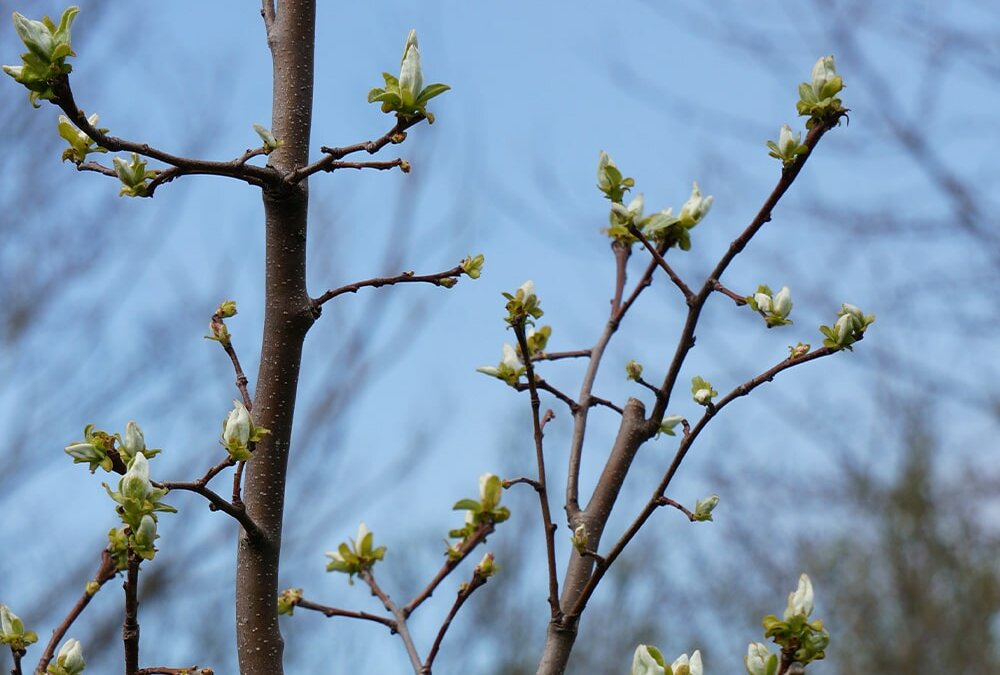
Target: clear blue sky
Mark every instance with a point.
(672, 93)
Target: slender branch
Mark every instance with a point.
(130, 629)
(464, 548)
(220, 334)
(393, 608)
(333, 155)
(597, 400)
(214, 471)
(543, 496)
(380, 166)
(464, 593)
(163, 670)
(105, 573)
(733, 295)
(17, 654)
(237, 484)
(543, 385)
(351, 614)
(658, 498)
(217, 503)
(667, 501)
(523, 479)
(622, 252)
(254, 175)
(555, 356)
(661, 261)
(96, 167)
(378, 282)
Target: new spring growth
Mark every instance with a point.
(288, 599)
(774, 307)
(239, 432)
(818, 99)
(220, 333)
(270, 142)
(133, 176)
(759, 660)
(80, 144)
(136, 495)
(648, 660)
(145, 535)
(580, 538)
(668, 424)
(134, 442)
(701, 391)
(487, 567)
(610, 180)
(633, 370)
(12, 631)
(93, 449)
(69, 659)
(806, 640)
(850, 327)
(509, 369)
(45, 61)
(703, 508)
(473, 265)
(799, 349)
(359, 556)
(666, 228)
(788, 147)
(523, 303)
(406, 95)
(484, 511)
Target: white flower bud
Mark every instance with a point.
(411, 78)
(135, 483)
(800, 602)
(70, 657)
(695, 208)
(134, 442)
(237, 430)
(756, 659)
(763, 301)
(643, 662)
(822, 72)
(703, 396)
(781, 304)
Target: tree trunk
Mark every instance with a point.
(287, 317)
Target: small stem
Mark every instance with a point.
(334, 611)
(130, 629)
(622, 254)
(401, 627)
(555, 356)
(381, 166)
(659, 259)
(735, 297)
(404, 278)
(542, 385)
(543, 497)
(105, 573)
(463, 594)
(217, 503)
(666, 501)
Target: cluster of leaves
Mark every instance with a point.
(479, 512)
(662, 227)
(818, 99)
(774, 307)
(800, 639)
(358, 556)
(850, 327)
(80, 144)
(138, 503)
(406, 95)
(45, 61)
(648, 660)
(100, 449)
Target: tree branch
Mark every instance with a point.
(401, 628)
(105, 573)
(334, 611)
(464, 592)
(378, 282)
(542, 491)
(130, 629)
(464, 548)
(217, 503)
(661, 261)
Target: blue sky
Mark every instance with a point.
(670, 90)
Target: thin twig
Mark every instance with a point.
(220, 334)
(733, 295)
(238, 484)
(464, 593)
(543, 385)
(351, 614)
(667, 501)
(130, 628)
(543, 496)
(163, 670)
(464, 548)
(658, 257)
(214, 471)
(393, 608)
(217, 503)
(597, 400)
(523, 479)
(105, 573)
(404, 278)
(395, 135)
(380, 166)
(555, 356)
(249, 173)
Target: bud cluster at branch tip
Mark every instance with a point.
(702, 392)
(133, 176)
(357, 557)
(703, 508)
(818, 99)
(796, 634)
(270, 142)
(69, 659)
(478, 512)
(648, 660)
(45, 61)
(12, 632)
(774, 307)
(406, 95)
(80, 144)
(850, 327)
